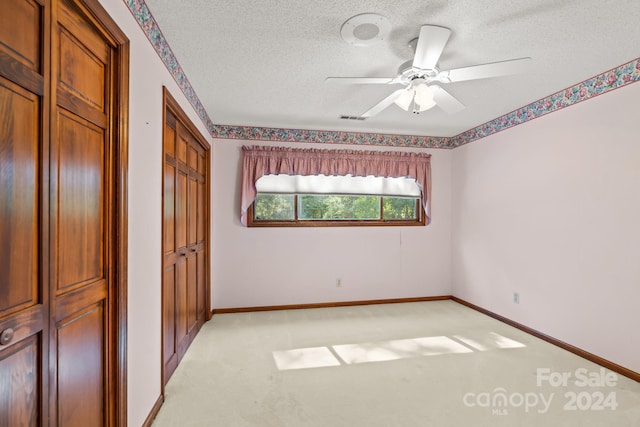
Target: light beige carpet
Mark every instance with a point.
(402, 365)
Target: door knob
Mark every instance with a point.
(6, 336)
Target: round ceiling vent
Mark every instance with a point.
(365, 29)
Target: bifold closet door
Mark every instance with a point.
(57, 331)
(185, 215)
(81, 155)
(23, 240)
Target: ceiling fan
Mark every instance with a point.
(421, 77)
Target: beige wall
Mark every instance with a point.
(551, 209)
(278, 266)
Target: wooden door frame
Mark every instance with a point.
(116, 387)
(169, 102)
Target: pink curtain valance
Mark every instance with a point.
(259, 161)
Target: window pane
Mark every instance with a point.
(313, 207)
(399, 208)
(274, 206)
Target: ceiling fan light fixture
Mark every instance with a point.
(405, 100)
(420, 97)
(424, 97)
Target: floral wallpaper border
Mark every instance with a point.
(602, 83)
(329, 137)
(613, 79)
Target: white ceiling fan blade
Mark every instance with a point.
(362, 80)
(484, 71)
(382, 104)
(431, 43)
(446, 101)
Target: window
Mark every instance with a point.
(310, 187)
(312, 210)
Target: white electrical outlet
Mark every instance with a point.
(338, 283)
(516, 298)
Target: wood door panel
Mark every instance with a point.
(69, 19)
(80, 353)
(181, 211)
(20, 375)
(168, 313)
(181, 300)
(169, 135)
(201, 164)
(20, 33)
(182, 144)
(193, 212)
(201, 274)
(19, 205)
(84, 55)
(193, 158)
(192, 292)
(201, 213)
(169, 208)
(81, 72)
(80, 206)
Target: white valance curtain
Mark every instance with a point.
(326, 184)
(259, 161)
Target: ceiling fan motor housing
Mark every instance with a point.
(407, 73)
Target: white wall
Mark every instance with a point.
(279, 266)
(551, 209)
(147, 75)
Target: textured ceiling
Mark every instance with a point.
(263, 63)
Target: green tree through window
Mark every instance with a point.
(271, 209)
(399, 208)
(274, 206)
(313, 207)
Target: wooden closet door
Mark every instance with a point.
(62, 62)
(170, 253)
(81, 270)
(198, 219)
(23, 303)
(182, 217)
(185, 241)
